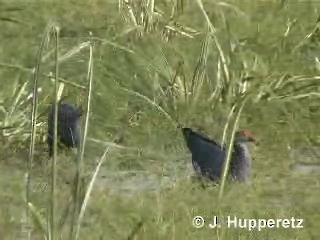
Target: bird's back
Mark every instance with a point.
(207, 155)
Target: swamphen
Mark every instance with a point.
(208, 156)
(68, 126)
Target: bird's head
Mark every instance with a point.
(244, 136)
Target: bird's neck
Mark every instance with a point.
(242, 149)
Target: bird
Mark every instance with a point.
(208, 156)
(68, 130)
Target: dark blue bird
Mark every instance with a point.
(208, 156)
(68, 126)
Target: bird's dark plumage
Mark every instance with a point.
(68, 126)
(208, 156)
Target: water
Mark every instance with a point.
(131, 182)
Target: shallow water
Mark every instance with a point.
(131, 182)
(309, 154)
(306, 159)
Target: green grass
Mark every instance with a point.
(147, 77)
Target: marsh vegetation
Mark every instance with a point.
(152, 64)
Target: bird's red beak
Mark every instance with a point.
(252, 139)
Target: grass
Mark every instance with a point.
(154, 65)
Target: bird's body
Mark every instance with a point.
(68, 126)
(208, 156)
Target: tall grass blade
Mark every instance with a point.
(34, 110)
(80, 159)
